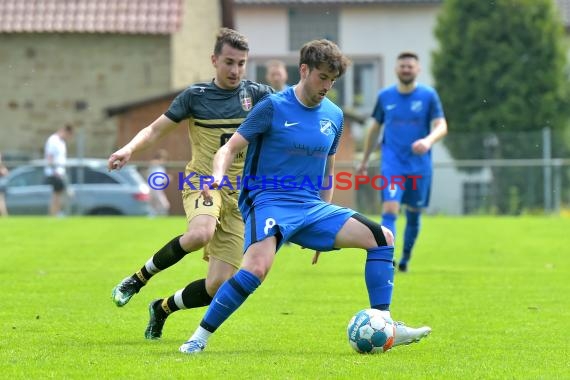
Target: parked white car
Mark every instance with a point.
(91, 190)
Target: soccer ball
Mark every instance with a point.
(369, 332)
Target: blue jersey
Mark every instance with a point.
(289, 144)
(406, 118)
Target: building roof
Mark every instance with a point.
(332, 2)
(90, 16)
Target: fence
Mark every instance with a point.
(511, 187)
(499, 173)
(532, 175)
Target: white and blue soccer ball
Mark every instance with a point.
(369, 332)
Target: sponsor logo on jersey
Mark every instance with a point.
(245, 100)
(288, 124)
(326, 127)
(416, 106)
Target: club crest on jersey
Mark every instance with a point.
(245, 100)
(416, 106)
(326, 127)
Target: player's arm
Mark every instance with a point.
(222, 161)
(370, 143)
(225, 156)
(438, 127)
(326, 192)
(438, 131)
(143, 139)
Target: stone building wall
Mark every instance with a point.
(48, 80)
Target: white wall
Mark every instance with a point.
(387, 31)
(267, 30)
(447, 183)
(376, 30)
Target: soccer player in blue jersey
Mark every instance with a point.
(213, 111)
(292, 138)
(413, 120)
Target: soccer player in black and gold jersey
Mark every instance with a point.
(214, 110)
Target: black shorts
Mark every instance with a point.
(56, 182)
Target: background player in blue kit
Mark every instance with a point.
(295, 134)
(413, 120)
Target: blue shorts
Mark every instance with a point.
(412, 191)
(312, 224)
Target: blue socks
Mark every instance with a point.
(410, 235)
(379, 276)
(228, 298)
(389, 221)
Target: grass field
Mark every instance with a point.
(494, 290)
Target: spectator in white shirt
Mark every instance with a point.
(3, 172)
(55, 153)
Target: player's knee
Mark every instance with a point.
(214, 283)
(413, 217)
(382, 235)
(197, 237)
(388, 235)
(258, 269)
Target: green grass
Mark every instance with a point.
(494, 290)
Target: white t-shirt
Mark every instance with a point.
(55, 149)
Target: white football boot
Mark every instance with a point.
(407, 335)
(192, 347)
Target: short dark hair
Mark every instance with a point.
(68, 128)
(408, 54)
(231, 38)
(317, 52)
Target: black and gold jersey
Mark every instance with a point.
(213, 116)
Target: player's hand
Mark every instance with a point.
(119, 159)
(362, 168)
(316, 257)
(206, 190)
(421, 146)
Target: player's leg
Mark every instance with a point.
(202, 217)
(413, 216)
(196, 294)
(258, 259)
(57, 195)
(379, 271)
(378, 241)
(390, 210)
(224, 256)
(361, 232)
(391, 196)
(416, 197)
(3, 208)
(264, 229)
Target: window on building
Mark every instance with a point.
(357, 89)
(310, 24)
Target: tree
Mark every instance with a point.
(500, 69)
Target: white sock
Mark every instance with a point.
(201, 334)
